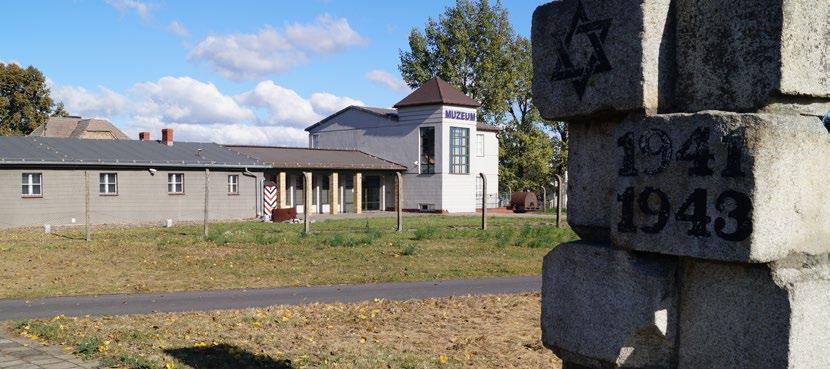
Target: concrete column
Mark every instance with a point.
(307, 187)
(334, 198)
(358, 192)
(281, 185)
(382, 193)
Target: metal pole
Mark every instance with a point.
(207, 195)
(544, 199)
(399, 200)
(306, 201)
(559, 201)
(86, 207)
(483, 201)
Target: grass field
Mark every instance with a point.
(476, 332)
(254, 255)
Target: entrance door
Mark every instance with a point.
(371, 193)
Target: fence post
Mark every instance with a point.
(207, 196)
(558, 201)
(399, 199)
(86, 206)
(483, 201)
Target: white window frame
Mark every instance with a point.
(233, 184)
(172, 181)
(459, 162)
(28, 180)
(479, 144)
(105, 180)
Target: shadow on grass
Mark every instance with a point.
(225, 357)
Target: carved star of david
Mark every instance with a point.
(596, 32)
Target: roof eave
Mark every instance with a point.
(474, 106)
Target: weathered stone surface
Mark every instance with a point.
(601, 56)
(722, 186)
(591, 178)
(742, 55)
(607, 308)
(736, 316)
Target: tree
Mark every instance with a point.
(24, 99)
(60, 111)
(473, 46)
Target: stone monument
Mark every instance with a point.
(698, 182)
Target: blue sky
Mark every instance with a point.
(241, 71)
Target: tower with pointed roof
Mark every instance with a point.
(434, 132)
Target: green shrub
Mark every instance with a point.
(45, 330)
(373, 234)
(262, 238)
(504, 237)
(88, 347)
(340, 240)
(426, 233)
(410, 249)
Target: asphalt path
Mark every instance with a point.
(250, 298)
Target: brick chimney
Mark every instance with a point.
(167, 136)
(144, 136)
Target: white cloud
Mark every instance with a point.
(184, 99)
(269, 114)
(80, 101)
(326, 104)
(125, 6)
(246, 56)
(386, 79)
(241, 134)
(325, 35)
(178, 29)
(286, 107)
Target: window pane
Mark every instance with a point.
(36, 189)
(179, 188)
(427, 150)
(25, 190)
(36, 178)
(102, 188)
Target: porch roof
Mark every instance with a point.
(303, 158)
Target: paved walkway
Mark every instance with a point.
(239, 299)
(20, 353)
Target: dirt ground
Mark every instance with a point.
(463, 332)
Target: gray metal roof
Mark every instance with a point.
(391, 114)
(15, 150)
(302, 158)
